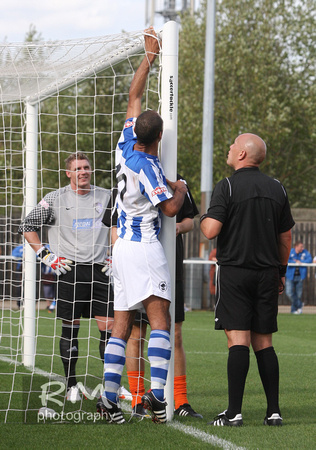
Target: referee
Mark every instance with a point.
(250, 214)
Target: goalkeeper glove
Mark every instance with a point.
(107, 269)
(57, 263)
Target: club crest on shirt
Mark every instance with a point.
(159, 190)
(98, 207)
(163, 286)
(128, 124)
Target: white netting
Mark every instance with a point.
(33, 71)
(81, 89)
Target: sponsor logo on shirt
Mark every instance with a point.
(159, 190)
(86, 224)
(128, 124)
(82, 224)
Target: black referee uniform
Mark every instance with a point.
(254, 210)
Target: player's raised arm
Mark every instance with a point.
(139, 81)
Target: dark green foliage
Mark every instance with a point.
(264, 84)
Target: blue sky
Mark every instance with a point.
(70, 19)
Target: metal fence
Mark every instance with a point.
(196, 273)
(197, 292)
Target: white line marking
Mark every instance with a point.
(226, 353)
(197, 434)
(205, 437)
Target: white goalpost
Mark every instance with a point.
(57, 98)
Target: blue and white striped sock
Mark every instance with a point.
(114, 360)
(159, 353)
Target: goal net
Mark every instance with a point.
(57, 98)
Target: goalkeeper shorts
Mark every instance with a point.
(84, 292)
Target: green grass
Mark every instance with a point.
(206, 351)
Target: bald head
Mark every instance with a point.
(254, 146)
(247, 150)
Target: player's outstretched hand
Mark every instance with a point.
(107, 269)
(58, 264)
(152, 46)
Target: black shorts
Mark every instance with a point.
(247, 299)
(84, 292)
(179, 306)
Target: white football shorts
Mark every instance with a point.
(139, 271)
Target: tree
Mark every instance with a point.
(264, 84)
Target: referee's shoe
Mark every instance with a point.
(274, 420)
(223, 421)
(109, 410)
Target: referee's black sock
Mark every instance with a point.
(68, 346)
(104, 339)
(237, 370)
(268, 366)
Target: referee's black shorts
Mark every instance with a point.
(84, 292)
(247, 299)
(179, 306)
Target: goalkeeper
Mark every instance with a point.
(79, 244)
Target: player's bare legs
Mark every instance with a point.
(135, 365)
(123, 322)
(179, 354)
(157, 310)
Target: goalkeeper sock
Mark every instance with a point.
(268, 366)
(114, 360)
(237, 370)
(68, 346)
(180, 391)
(136, 385)
(104, 339)
(159, 352)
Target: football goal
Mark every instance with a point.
(57, 98)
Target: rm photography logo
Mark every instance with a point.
(53, 389)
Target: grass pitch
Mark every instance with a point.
(206, 352)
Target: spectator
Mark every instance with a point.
(295, 275)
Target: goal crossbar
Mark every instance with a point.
(92, 56)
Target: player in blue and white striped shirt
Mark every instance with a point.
(140, 270)
(141, 184)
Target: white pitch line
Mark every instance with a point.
(205, 437)
(226, 353)
(194, 432)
